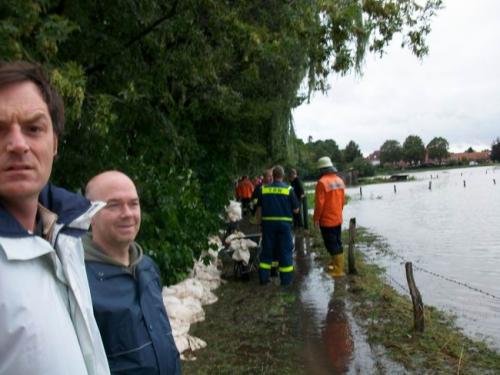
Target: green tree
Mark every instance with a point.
(351, 152)
(470, 150)
(438, 148)
(413, 149)
(327, 147)
(363, 166)
(495, 150)
(391, 152)
(184, 95)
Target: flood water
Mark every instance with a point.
(451, 230)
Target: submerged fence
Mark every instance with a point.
(411, 288)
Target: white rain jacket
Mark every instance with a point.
(47, 324)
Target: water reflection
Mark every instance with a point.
(336, 334)
(333, 341)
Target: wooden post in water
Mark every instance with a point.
(416, 299)
(361, 191)
(464, 183)
(430, 185)
(352, 239)
(494, 182)
(395, 190)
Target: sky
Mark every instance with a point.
(453, 92)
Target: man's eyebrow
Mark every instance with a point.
(114, 200)
(35, 116)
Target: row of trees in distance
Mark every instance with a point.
(413, 151)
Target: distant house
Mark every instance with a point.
(470, 156)
(374, 158)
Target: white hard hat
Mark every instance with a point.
(326, 163)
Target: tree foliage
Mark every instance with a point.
(495, 150)
(438, 148)
(351, 152)
(413, 149)
(391, 152)
(183, 95)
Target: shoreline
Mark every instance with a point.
(387, 317)
(260, 330)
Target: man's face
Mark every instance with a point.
(118, 223)
(28, 143)
(268, 177)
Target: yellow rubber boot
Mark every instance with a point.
(336, 266)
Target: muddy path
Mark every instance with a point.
(333, 342)
(306, 329)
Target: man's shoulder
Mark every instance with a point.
(67, 205)
(147, 263)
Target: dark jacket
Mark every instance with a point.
(278, 201)
(129, 310)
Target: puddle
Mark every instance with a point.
(333, 342)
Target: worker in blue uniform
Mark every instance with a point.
(275, 207)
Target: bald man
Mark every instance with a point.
(125, 284)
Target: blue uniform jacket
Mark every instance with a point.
(132, 319)
(278, 201)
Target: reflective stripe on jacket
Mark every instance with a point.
(329, 200)
(278, 202)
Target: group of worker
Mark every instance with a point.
(81, 302)
(51, 321)
(280, 207)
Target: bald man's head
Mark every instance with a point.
(118, 223)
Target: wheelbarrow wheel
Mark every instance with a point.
(241, 272)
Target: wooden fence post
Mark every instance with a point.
(352, 239)
(416, 298)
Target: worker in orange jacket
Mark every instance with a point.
(329, 203)
(244, 191)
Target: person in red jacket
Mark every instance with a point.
(244, 192)
(329, 203)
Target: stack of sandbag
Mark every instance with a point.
(233, 211)
(184, 301)
(240, 246)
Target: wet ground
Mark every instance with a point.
(333, 342)
(326, 326)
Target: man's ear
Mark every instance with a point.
(56, 143)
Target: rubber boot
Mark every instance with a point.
(336, 266)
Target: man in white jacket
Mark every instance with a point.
(46, 320)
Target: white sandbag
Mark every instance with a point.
(186, 342)
(233, 211)
(187, 309)
(216, 242)
(187, 288)
(241, 255)
(179, 327)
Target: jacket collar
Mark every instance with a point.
(66, 205)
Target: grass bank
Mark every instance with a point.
(250, 330)
(387, 318)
